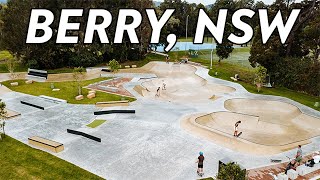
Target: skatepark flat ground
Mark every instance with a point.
(151, 143)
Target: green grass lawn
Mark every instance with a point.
(96, 123)
(19, 161)
(68, 91)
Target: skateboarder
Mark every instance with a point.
(200, 164)
(299, 155)
(158, 92)
(163, 86)
(235, 134)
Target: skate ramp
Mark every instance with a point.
(269, 127)
(182, 84)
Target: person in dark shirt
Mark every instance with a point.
(200, 164)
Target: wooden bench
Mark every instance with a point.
(112, 103)
(46, 144)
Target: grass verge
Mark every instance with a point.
(68, 91)
(96, 123)
(19, 161)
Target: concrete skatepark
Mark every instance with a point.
(156, 142)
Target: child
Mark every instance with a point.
(200, 164)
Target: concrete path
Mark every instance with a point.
(148, 145)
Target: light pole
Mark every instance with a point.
(187, 33)
(211, 54)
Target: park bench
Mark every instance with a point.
(34, 74)
(46, 144)
(112, 103)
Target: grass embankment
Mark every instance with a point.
(19, 161)
(96, 123)
(68, 91)
(228, 68)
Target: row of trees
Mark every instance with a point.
(14, 20)
(295, 64)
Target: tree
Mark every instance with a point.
(78, 76)
(261, 75)
(2, 117)
(224, 49)
(14, 27)
(11, 65)
(311, 37)
(231, 171)
(114, 66)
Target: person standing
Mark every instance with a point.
(167, 59)
(200, 164)
(299, 155)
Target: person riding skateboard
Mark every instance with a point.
(158, 92)
(235, 134)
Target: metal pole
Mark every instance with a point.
(186, 34)
(211, 54)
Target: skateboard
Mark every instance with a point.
(275, 160)
(239, 134)
(200, 174)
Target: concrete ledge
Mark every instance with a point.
(112, 103)
(55, 100)
(303, 169)
(46, 144)
(108, 88)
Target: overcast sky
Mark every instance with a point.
(206, 2)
